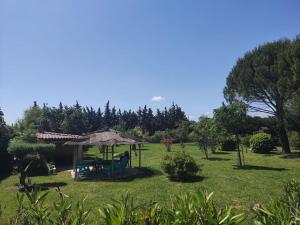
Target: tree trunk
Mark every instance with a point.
(205, 152)
(240, 163)
(282, 132)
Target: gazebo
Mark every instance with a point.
(106, 139)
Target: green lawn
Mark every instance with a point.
(262, 179)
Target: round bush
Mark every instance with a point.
(228, 145)
(179, 166)
(261, 143)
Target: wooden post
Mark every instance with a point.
(74, 157)
(106, 152)
(112, 161)
(130, 157)
(139, 156)
(80, 153)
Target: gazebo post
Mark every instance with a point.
(139, 156)
(106, 150)
(103, 151)
(130, 156)
(80, 153)
(75, 156)
(112, 161)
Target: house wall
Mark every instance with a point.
(63, 154)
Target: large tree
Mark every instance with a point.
(266, 78)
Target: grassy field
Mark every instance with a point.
(262, 178)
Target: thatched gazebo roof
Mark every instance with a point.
(105, 137)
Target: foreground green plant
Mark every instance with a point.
(31, 209)
(199, 209)
(284, 211)
(190, 208)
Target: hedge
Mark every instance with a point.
(21, 149)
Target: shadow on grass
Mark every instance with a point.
(293, 155)
(251, 167)
(222, 153)
(47, 185)
(216, 159)
(43, 186)
(192, 179)
(272, 153)
(143, 172)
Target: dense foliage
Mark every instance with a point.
(5, 136)
(293, 113)
(179, 166)
(261, 143)
(77, 119)
(228, 144)
(294, 139)
(267, 78)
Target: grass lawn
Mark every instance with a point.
(261, 179)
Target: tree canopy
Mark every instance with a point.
(77, 119)
(266, 79)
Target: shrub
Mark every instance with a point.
(179, 166)
(294, 139)
(20, 149)
(261, 143)
(228, 145)
(197, 208)
(285, 210)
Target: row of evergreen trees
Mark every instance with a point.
(77, 119)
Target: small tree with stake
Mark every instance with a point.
(168, 141)
(205, 134)
(232, 118)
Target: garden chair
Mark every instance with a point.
(119, 167)
(51, 168)
(82, 170)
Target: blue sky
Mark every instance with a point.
(129, 51)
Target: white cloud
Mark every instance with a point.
(157, 98)
(191, 117)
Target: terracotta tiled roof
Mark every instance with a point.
(58, 136)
